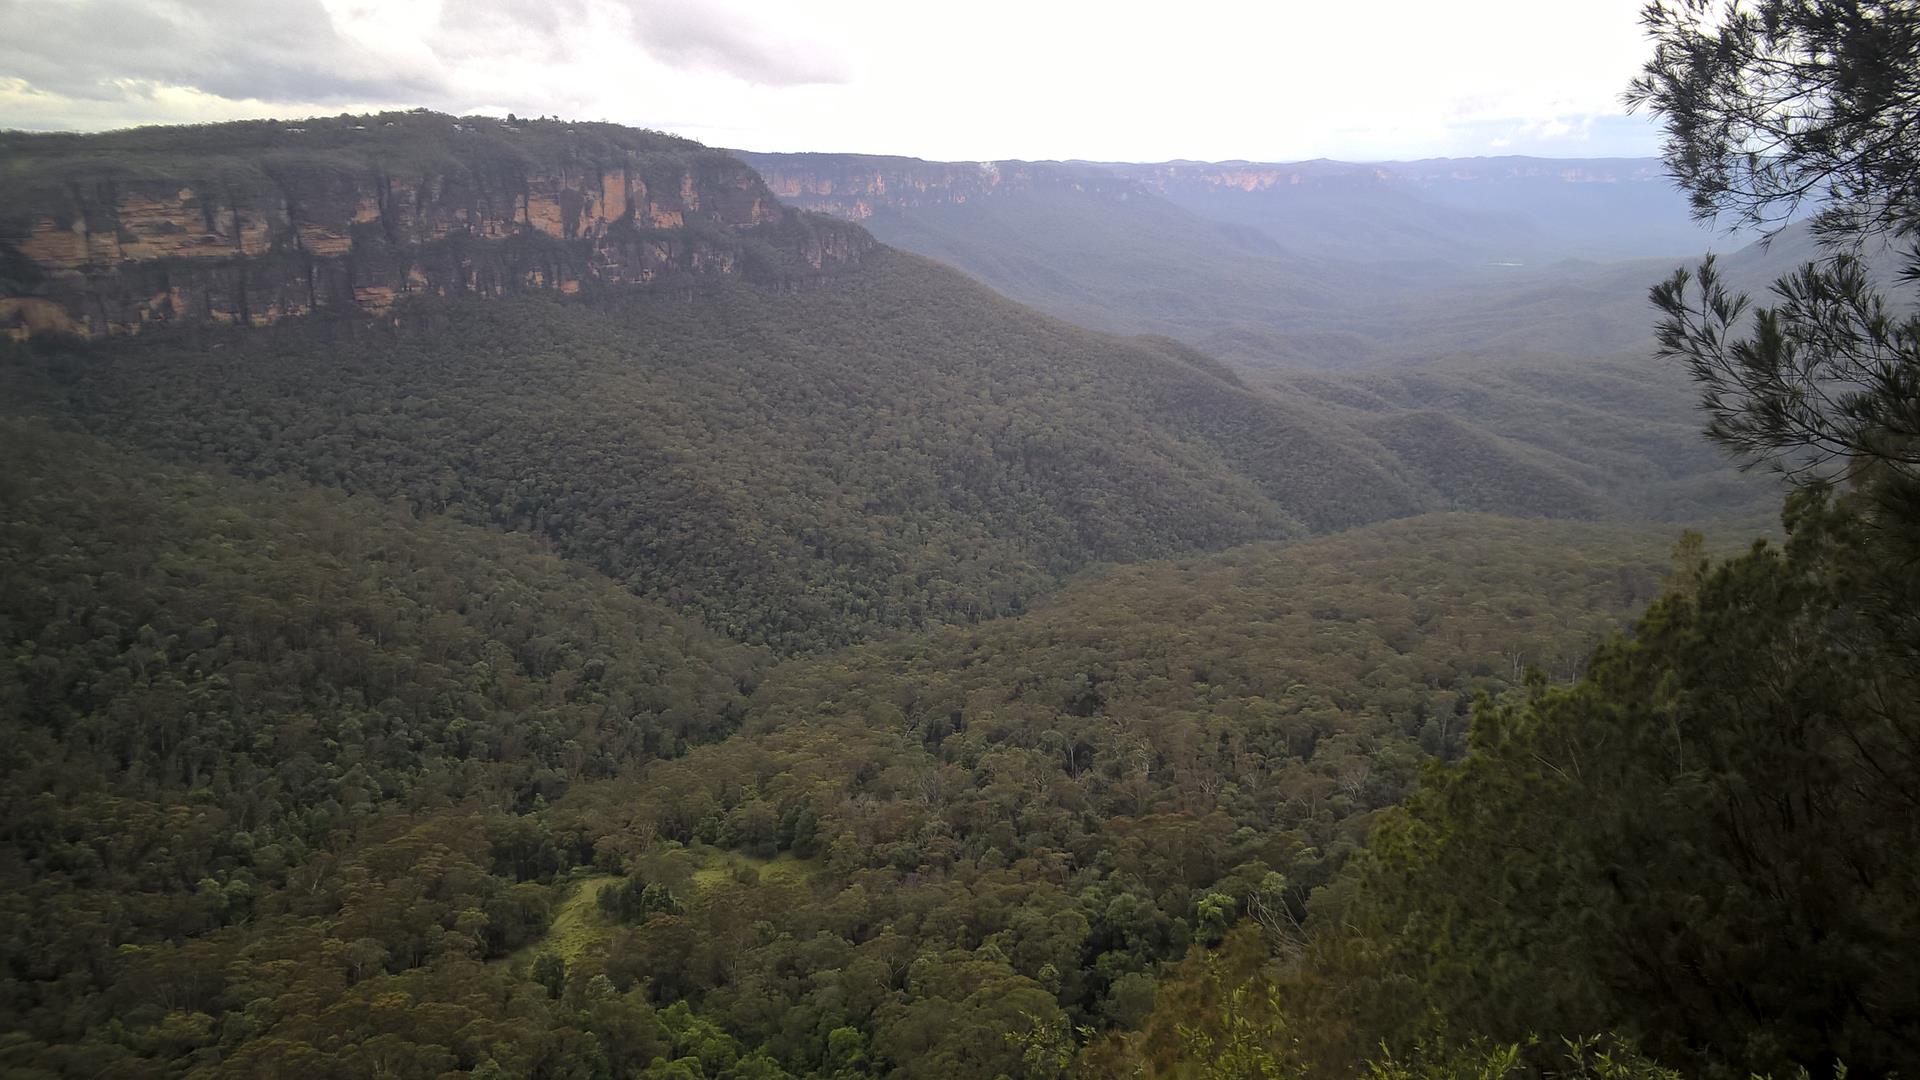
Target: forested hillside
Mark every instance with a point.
(799, 469)
(1597, 433)
(308, 784)
(215, 689)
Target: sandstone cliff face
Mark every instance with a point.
(267, 228)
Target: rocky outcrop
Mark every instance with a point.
(103, 238)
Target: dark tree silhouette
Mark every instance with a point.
(1771, 110)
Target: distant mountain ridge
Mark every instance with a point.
(1500, 209)
(1450, 209)
(1418, 171)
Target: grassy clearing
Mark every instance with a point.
(718, 867)
(577, 925)
(580, 927)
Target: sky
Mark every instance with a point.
(1283, 80)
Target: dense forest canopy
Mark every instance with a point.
(254, 722)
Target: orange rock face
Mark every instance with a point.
(50, 244)
(125, 257)
(374, 297)
(321, 241)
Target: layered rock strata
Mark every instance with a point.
(252, 237)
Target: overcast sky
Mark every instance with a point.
(1205, 79)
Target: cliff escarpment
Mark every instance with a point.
(252, 222)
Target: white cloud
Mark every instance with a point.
(734, 41)
(991, 79)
